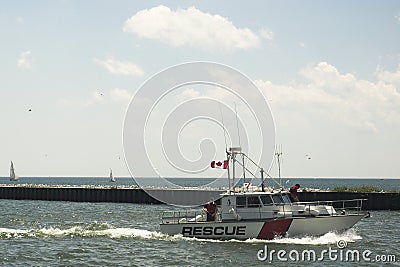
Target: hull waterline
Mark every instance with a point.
(270, 229)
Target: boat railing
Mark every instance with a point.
(348, 205)
(186, 216)
(273, 210)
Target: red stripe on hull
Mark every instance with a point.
(274, 228)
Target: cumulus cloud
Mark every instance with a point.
(266, 34)
(24, 61)
(120, 67)
(192, 27)
(340, 98)
(387, 76)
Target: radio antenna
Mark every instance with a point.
(223, 126)
(226, 147)
(278, 155)
(240, 145)
(237, 125)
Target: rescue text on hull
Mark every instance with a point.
(261, 213)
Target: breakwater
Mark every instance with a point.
(106, 194)
(375, 201)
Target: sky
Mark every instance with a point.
(329, 72)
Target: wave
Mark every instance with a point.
(326, 239)
(92, 230)
(80, 231)
(350, 236)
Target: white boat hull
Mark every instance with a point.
(268, 229)
(320, 225)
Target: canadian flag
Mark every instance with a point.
(219, 164)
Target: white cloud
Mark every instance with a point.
(266, 34)
(24, 61)
(339, 98)
(192, 27)
(120, 67)
(387, 76)
(120, 95)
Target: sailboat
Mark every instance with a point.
(112, 178)
(13, 176)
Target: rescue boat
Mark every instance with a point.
(262, 213)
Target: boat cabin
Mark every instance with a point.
(264, 205)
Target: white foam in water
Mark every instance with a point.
(9, 233)
(329, 238)
(79, 231)
(130, 232)
(12, 231)
(112, 232)
(61, 232)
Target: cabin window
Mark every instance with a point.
(286, 199)
(266, 200)
(240, 202)
(277, 199)
(253, 202)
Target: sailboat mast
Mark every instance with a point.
(13, 176)
(11, 170)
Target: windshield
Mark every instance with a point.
(277, 199)
(286, 199)
(266, 200)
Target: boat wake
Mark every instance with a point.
(95, 230)
(79, 231)
(349, 236)
(326, 239)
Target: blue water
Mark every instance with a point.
(56, 233)
(52, 233)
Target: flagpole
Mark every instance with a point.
(233, 170)
(229, 178)
(244, 170)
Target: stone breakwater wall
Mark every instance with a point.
(375, 201)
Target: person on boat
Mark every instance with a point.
(211, 210)
(293, 193)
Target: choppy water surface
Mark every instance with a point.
(44, 233)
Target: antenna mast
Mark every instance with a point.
(240, 146)
(226, 147)
(278, 155)
(223, 126)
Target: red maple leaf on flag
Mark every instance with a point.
(219, 164)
